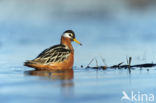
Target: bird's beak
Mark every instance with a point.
(77, 41)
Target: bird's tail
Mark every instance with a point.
(30, 63)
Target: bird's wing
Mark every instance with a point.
(53, 54)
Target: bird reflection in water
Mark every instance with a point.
(64, 76)
(53, 74)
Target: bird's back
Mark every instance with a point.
(51, 56)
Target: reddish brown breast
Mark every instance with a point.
(70, 61)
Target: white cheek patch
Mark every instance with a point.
(66, 35)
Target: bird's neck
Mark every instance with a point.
(67, 42)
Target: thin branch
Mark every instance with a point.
(103, 60)
(90, 62)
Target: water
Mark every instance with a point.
(112, 32)
(21, 84)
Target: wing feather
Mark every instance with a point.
(56, 53)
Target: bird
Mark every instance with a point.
(57, 57)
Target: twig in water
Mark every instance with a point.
(90, 63)
(120, 64)
(103, 60)
(96, 63)
(129, 62)
(117, 66)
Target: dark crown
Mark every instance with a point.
(70, 31)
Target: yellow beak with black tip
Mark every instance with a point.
(77, 41)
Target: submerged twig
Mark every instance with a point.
(90, 63)
(148, 65)
(96, 63)
(117, 66)
(129, 64)
(120, 65)
(127, 60)
(103, 60)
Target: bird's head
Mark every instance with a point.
(71, 35)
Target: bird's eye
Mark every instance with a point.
(70, 35)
